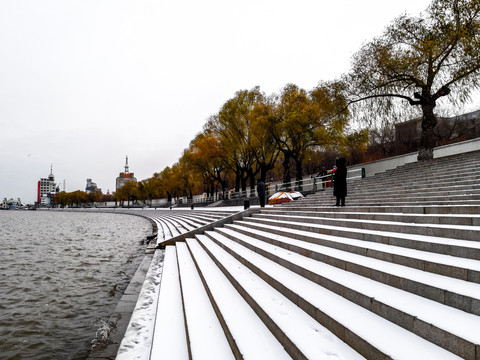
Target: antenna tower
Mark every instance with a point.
(126, 165)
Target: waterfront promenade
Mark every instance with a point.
(401, 261)
(394, 274)
(133, 318)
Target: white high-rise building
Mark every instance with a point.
(46, 190)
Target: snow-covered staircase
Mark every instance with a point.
(451, 180)
(390, 276)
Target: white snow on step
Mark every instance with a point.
(137, 340)
(207, 339)
(252, 337)
(387, 337)
(462, 263)
(169, 338)
(382, 222)
(311, 338)
(457, 286)
(354, 214)
(454, 321)
(414, 237)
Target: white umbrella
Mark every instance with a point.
(280, 197)
(295, 194)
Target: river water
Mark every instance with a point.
(61, 275)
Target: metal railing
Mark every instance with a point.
(307, 184)
(311, 183)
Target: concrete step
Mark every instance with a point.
(452, 247)
(248, 336)
(397, 306)
(440, 192)
(444, 289)
(301, 335)
(443, 169)
(445, 190)
(458, 219)
(419, 209)
(374, 335)
(393, 202)
(466, 269)
(462, 232)
(205, 334)
(170, 341)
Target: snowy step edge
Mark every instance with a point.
(250, 338)
(414, 197)
(420, 209)
(138, 337)
(447, 327)
(299, 333)
(422, 253)
(366, 332)
(389, 203)
(205, 334)
(390, 184)
(384, 236)
(390, 190)
(169, 336)
(459, 248)
(389, 187)
(407, 175)
(441, 219)
(467, 232)
(185, 218)
(359, 241)
(445, 290)
(396, 192)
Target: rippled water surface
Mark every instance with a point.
(61, 275)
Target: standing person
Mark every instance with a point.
(340, 181)
(323, 175)
(261, 192)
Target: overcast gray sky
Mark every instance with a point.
(84, 83)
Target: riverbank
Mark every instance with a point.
(62, 277)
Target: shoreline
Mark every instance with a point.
(120, 318)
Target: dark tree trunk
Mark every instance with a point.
(251, 176)
(287, 176)
(243, 181)
(429, 139)
(299, 174)
(238, 178)
(263, 172)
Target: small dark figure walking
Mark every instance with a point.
(261, 192)
(323, 175)
(340, 182)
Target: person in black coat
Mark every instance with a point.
(340, 181)
(261, 192)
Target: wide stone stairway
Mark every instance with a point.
(393, 275)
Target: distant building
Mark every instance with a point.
(91, 187)
(457, 128)
(124, 177)
(46, 190)
(10, 204)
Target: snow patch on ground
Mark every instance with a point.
(137, 341)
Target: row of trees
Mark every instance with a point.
(413, 65)
(259, 136)
(80, 198)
